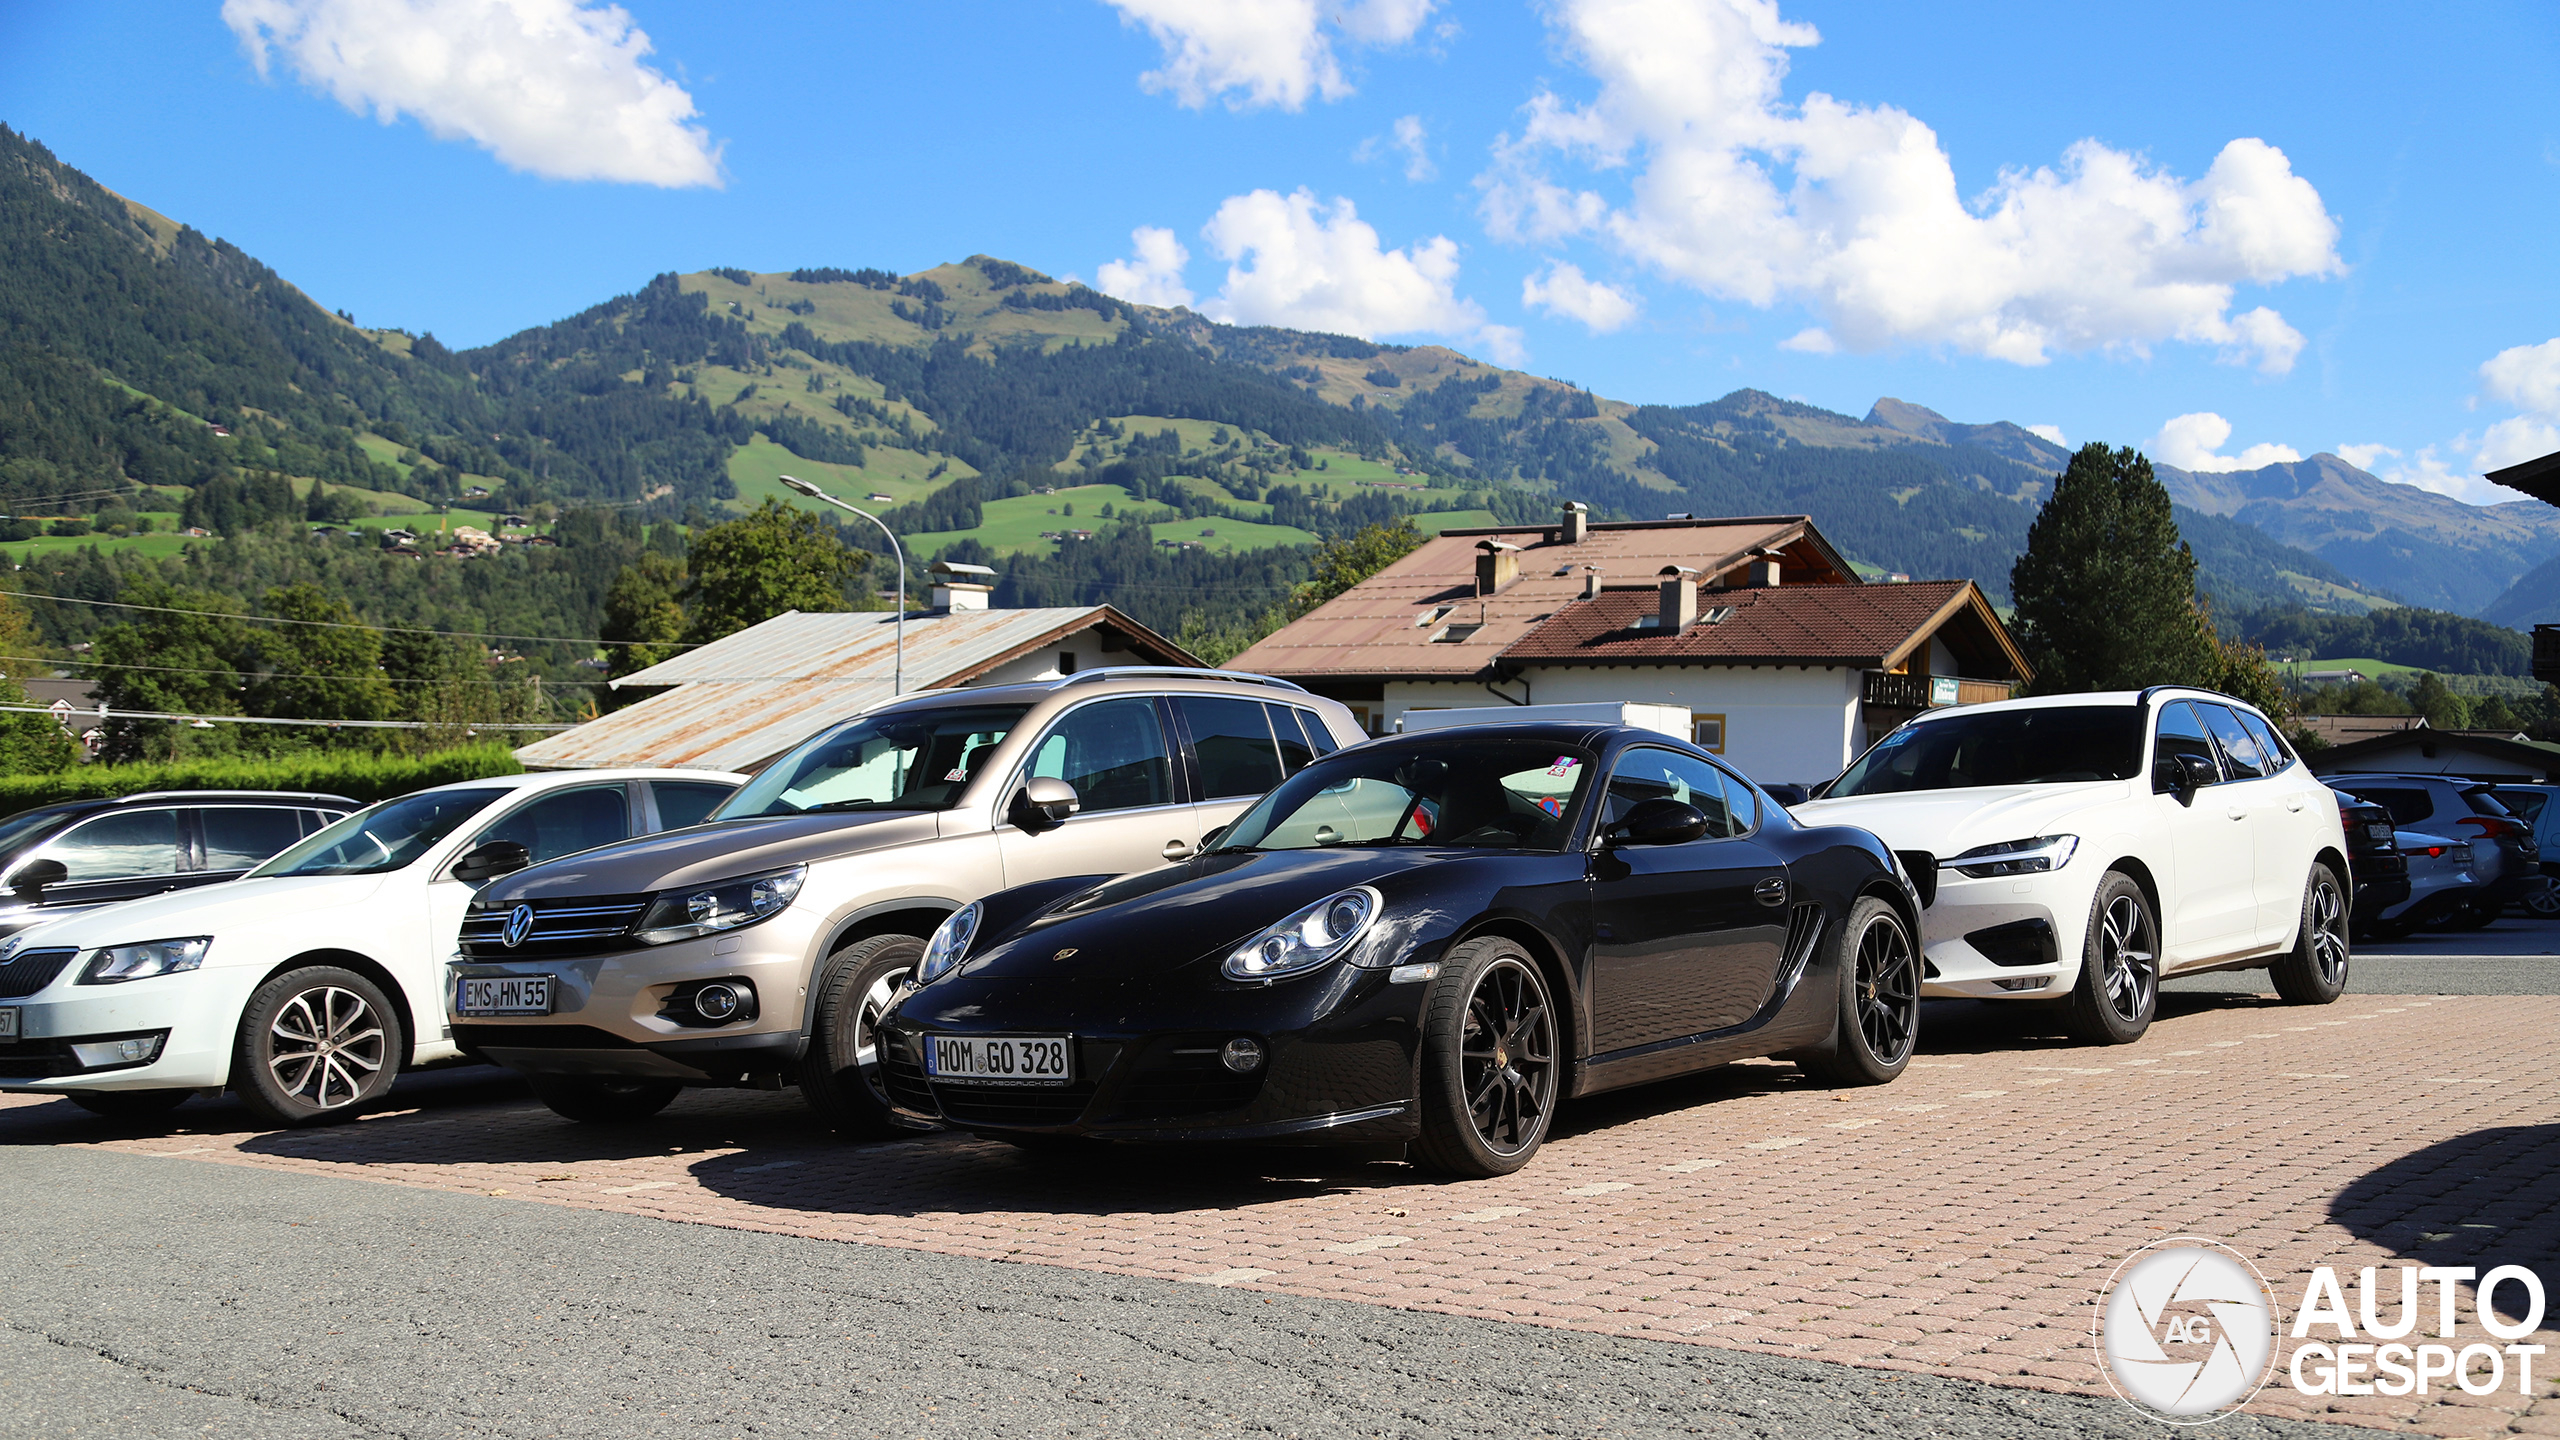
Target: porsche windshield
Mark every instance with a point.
(386, 837)
(913, 759)
(2044, 745)
(1486, 794)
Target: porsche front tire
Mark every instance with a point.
(841, 1078)
(1492, 1063)
(1878, 1013)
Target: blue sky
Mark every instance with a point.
(2198, 227)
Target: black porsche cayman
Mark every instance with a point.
(1431, 940)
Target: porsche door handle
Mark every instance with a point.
(1176, 850)
(1772, 891)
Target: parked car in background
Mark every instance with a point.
(2442, 887)
(58, 860)
(2375, 866)
(766, 946)
(2505, 864)
(308, 984)
(2082, 847)
(2532, 804)
(1431, 939)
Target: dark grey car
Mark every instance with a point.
(58, 860)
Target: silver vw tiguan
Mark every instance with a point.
(760, 946)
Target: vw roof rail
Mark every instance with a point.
(1177, 672)
(313, 795)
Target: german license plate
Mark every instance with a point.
(503, 995)
(9, 1023)
(1000, 1059)
(2378, 830)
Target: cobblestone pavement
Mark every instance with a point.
(1959, 1222)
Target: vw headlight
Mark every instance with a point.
(722, 905)
(950, 943)
(2016, 857)
(115, 964)
(1307, 939)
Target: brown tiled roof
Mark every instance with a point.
(1375, 628)
(1865, 626)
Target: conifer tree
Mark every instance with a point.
(2105, 590)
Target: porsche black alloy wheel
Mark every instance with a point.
(1491, 1061)
(601, 1100)
(840, 1078)
(1879, 1000)
(2119, 987)
(2314, 971)
(314, 1044)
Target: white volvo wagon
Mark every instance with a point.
(2082, 847)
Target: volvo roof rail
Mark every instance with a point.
(1177, 672)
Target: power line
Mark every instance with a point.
(270, 675)
(277, 720)
(336, 624)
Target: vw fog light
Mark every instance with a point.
(2016, 857)
(115, 964)
(722, 905)
(717, 1001)
(1307, 939)
(1243, 1055)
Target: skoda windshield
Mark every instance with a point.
(1478, 794)
(1966, 750)
(386, 837)
(913, 759)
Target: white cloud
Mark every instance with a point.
(2191, 442)
(2048, 432)
(1563, 290)
(1263, 52)
(1294, 260)
(1504, 343)
(1853, 210)
(557, 88)
(2365, 457)
(1811, 340)
(1410, 139)
(1153, 276)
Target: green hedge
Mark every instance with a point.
(358, 777)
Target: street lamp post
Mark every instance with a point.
(898, 671)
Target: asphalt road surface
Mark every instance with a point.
(151, 1297)
(2509, 957)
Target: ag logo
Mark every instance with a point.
(2186, 1330)
(519, 922)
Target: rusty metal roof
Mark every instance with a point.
(1866, 626)
(1386, 625)
(748, 697)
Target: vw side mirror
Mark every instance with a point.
(1044, 804)
(488, 862)
(28, 884)
(1659, 821)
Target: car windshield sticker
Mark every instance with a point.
(1426, 816)
(958, 773)
(1896, 738)
(1551, 805)
(1563, 766)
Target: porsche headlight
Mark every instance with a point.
(115, 964)
(2016, 857)
(950, 943)
(722, 905)
(1307, 939)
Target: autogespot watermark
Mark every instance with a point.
(2186, 1330)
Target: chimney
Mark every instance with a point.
(1762, 572)
(1577, 523)
(1679, 598)
(958, 587)
(1497, 565)
(1590, 582)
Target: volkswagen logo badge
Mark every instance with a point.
(519, 921)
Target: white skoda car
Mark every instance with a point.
(308, 984)
(2083, 847)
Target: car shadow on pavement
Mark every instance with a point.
(2483, 1199)
(34, 1120)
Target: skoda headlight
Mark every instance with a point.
(115, 964)
(950, 943)
(2016, 857)
(722, 905)
(1307, 939)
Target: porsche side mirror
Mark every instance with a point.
(1659, 821)
(487, 862)
(1044, 804)
(28, 884)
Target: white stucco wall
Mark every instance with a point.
(1780, 724)
(1042, 664)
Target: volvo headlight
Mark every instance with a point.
(2016, 857)
(115, 964)
(950, 943)
(1307, 939)
(722, 905)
